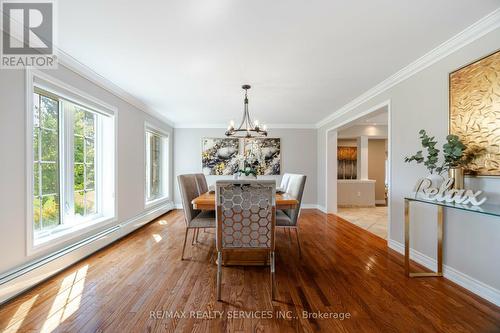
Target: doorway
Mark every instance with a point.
(358, 170)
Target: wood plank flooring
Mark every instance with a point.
(344, 269)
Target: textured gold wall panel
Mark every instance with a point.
(475, 111)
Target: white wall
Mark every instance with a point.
(472, 241)
(298, 155)
(130, 161)
(355, 193)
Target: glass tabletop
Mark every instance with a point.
(486, 208)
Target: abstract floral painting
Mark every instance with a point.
(219, 156)
(268, 152)
(475, 112)
(347, 158)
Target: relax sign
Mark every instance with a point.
(446, 193)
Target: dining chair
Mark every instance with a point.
(284, 182)
(246, 215)
(195, 219)
(201, 182)
(289, 218)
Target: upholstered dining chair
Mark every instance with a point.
(201, 182)
(189, 187)
(284, 182)
(289, 218)
(246, 212)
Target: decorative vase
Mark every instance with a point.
(457, 174)
(436, 180)
(243, 177)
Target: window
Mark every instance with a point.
(84, 161)
(156, 166)
(46, 203)
(73, 164)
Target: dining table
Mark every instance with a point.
(207, 201)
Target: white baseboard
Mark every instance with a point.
(477, 287)
(16, 281)
(178, 206)
(310, 206)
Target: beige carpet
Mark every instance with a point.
(372, 219)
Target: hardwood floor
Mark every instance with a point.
(344, 269)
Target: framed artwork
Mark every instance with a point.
(347, 159)
(268, 150)
(475, 112)
(219, 156)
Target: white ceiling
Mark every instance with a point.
(378, 117)
(305, 59)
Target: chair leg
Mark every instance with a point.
(298, 241)
(193, 241)
(219, 274)
(272, 275)
(184, 246)
(289, 237)
(197, 233)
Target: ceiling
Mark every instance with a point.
(378, 117)
(187, 59)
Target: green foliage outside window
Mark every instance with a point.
(46, 206)
(46, 173)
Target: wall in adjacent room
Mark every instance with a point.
(472, 241)
(298, 155)
(376, 166)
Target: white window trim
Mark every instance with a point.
(148, 127)
(90, 102)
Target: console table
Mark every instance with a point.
(488, 209)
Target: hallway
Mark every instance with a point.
(373, 219)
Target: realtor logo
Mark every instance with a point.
(27, 34)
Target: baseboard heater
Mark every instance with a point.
(53, 256)
(10, 289)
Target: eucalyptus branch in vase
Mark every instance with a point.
(456, 158)
(431, 159)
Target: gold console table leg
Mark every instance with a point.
(439, 244)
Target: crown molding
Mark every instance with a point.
(86, 72)
(477, 30)
(224, 126)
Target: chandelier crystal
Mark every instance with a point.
(247, 128)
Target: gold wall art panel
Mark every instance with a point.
(475, 112)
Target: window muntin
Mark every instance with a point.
(46, 192)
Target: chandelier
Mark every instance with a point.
(247, 128)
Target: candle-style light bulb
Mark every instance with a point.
(231, 124)
(256, 124)
(264, 127)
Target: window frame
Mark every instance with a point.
(41, 162)
(69, 231)
(165, 180)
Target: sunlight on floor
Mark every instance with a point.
(162, 222)
(157, 238)
(373, 219)
(67, 300)
(21, 313)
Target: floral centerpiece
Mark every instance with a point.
(251, 162)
